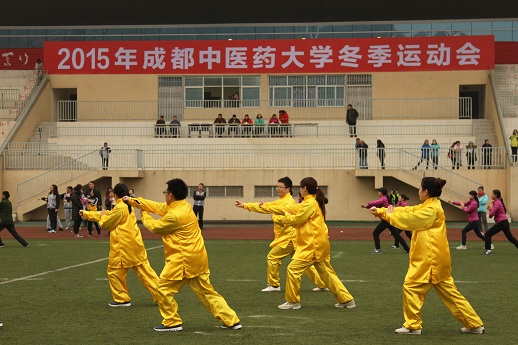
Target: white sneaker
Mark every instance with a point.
(487, 252)
(394, 247)
(492, 247)
(478, 330)
(234, 326)
(320, 289)
(404, 330)
(461, 247)
(271, 288)
(289, 305)
(348, 305)
(376, 251)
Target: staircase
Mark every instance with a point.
(506, 81)
(15, 87)
(484, 129)
(456, 185)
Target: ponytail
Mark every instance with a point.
(498, 195)
(321, 199)
(311, 185)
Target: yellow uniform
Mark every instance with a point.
(312, 248)
(283, 243)
(126, 250)
(186, 260)
(429, 263)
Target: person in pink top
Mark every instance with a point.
(498, 211)
(471, 209)
(383, 202)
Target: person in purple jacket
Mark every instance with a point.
(383, 201)
(471, 209)
(498, 211)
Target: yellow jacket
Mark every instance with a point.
(429, 258)
(126, 245)
(184, 248)
(283, 235)
(312, 233)
(514, 140)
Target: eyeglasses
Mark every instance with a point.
(166, 192)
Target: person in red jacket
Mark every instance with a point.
(284, 119)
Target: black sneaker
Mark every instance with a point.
(119, 304)
(234, 326)
(163, 328)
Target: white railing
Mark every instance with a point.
(9, 98)
(508, 105)
(368, 108)
(63, 173)
(196, 130)
(500, 114)
(455, 182)
(242, 157)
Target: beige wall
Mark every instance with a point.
(109, 87)
(346, 192)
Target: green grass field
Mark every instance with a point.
(56, 292)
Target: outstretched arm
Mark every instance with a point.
(159, 208)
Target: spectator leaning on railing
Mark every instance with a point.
(160, 127)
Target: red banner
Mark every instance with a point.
(271, 56)
(19, 59)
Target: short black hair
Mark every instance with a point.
(6, 194)
(287, 183)
(178, 188)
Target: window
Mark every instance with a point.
(307, 91)
(219, 91)
(219, 191)
(170, 97)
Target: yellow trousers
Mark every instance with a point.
(294, 273)
(203, 289)
(413, 299)
(274, 260)
(117, 280)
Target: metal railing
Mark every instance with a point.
(306, 110)
(455, 182)
(508, 105)
(500, 115)
(9, 98)
(63, 173)
(197, 130)
(233, 156)
(252, 157)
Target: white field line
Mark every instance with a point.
(31, 277)
(337, 255)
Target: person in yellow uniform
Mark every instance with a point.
(186, 260)
(126, 249)
(312, 248)
(284, 237)
(429, 259)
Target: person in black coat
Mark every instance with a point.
(76, 207)
(351, 117)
